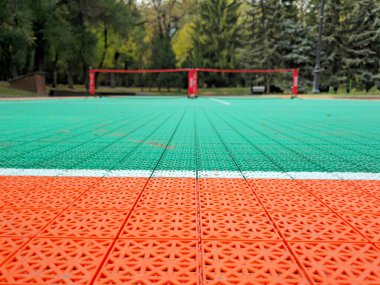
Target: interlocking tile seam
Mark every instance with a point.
(335, 257)
(122, 137)
(106, 256)
(319, 138)
(62, 251)
(333, 211)
(80, 134)
(43, 228)
(300, 265)
(364, 190)
(106, 145)
(198, 204)
(74, 124)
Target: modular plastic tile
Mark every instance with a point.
(167, 200)
(24, 222)
(367, 224)
(86, 224)
(25, 183)
(324, 186)
(115, 183)
(8, 245)
(134, 144)
(339, 263)
(237, 226)
(172, 184)
(238, 262)
(224, 184)
(161, 224)
(371, 187)
(55, 261)
(151, 262)
(110, 199)
(28, 183)
(291, 201)
(229, 200)
(275, 185)
(350, 202)
(315, 227)
(57, 199)
(67, 183)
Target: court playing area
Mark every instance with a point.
(168, 190)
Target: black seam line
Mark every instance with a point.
(302, 125)
(290, 250)
(69, 205)
(140, 144)
(44, 131)
(296, 152)
(88, 141)
(29, 239)
(111, 247)
(280, 144)
(321, 139)
(350, 128)
(78, 145)
(198, 202)
(64, 139)
(310, 192)
(117, 140)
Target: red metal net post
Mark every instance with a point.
(295, 82)
(92, 82)
(193, 83)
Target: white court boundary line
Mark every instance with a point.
(221, 101)
(190, 174)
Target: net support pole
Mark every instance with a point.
(92, 82)
(192, 83)
(295, 83)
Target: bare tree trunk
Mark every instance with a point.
(70, 80)
(115, 60)
(267, 84)
(55, 71)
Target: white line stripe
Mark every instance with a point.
(190, 174)
(219, 174)
(221, 101)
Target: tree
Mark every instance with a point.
(333, 45)
(216, 35)
(295, 41)
(16, 37)
(262, 50)
(362, 61)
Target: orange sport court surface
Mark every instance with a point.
(177, 191)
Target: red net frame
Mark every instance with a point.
(193, 75)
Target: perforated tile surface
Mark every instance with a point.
(171, 191)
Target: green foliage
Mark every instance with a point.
(216, 34)
(363, 50)
(16, 36)
(65, 38)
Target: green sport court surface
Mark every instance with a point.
(167, 190)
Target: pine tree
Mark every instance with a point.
(263, 33)
(362, 60)
(163, 57)
(333, 45)
(216, 34)
(296, 44)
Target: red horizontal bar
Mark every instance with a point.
(139, 70)
(187, 69)
(245, 70)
